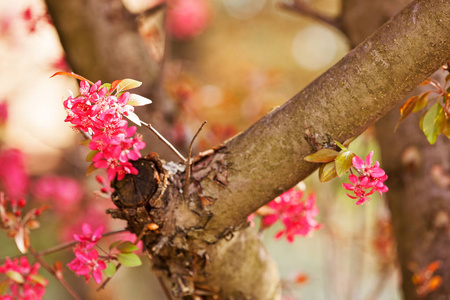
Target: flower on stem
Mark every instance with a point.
(23, 281)
(89, 238)
(371, 179)
(87, 261)
(297, 216)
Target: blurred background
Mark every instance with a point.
(225, 61)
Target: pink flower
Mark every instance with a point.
(87, 261)
(88, 239)
(187, 18)
(370, 180)
(296, 216)
(13, 175)
(366, 168)
(99, 113)
(26, 284)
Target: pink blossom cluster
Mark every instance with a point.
(86, 258)
(100, 113)
(369, 180)
(23, 280)
(297, 216)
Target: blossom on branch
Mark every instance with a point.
(86, 259)
(99, 112)
(23, 281)
(297, 216)
(371, 179)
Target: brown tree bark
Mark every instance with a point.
(419, 197)
(201, 248)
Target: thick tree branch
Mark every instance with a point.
(101, 41)
(267, 159)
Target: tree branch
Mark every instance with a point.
(267, 159)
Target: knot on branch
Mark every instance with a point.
(147, 187)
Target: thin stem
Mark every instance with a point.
(163, 139)
(119, 265)
(61, 247)
(53, 273)
(189, 162)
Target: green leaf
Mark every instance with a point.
(91, 155)
(343, 162)
(38, 279)
(327, 172)
(322, 156)
(129, 259)
(340, 145)
(421, 101)
(106, 85)
(127, 84)
(110, 269)
(114, 244)
(15, 276)
(127, 246)
(432, 122)
(137, 100)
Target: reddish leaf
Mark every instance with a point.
(322, 156)
(72, 74)
(114, 85)
(406, 109)
(434, 283)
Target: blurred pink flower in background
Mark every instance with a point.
(186, 19)
(64, 193)
(13, 176)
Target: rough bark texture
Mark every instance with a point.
(418, 194)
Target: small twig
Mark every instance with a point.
(305, 10)
(189, 162)
(86, 135)
(119, 265)
(53, 273)
(163, 139)
(61, 247)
